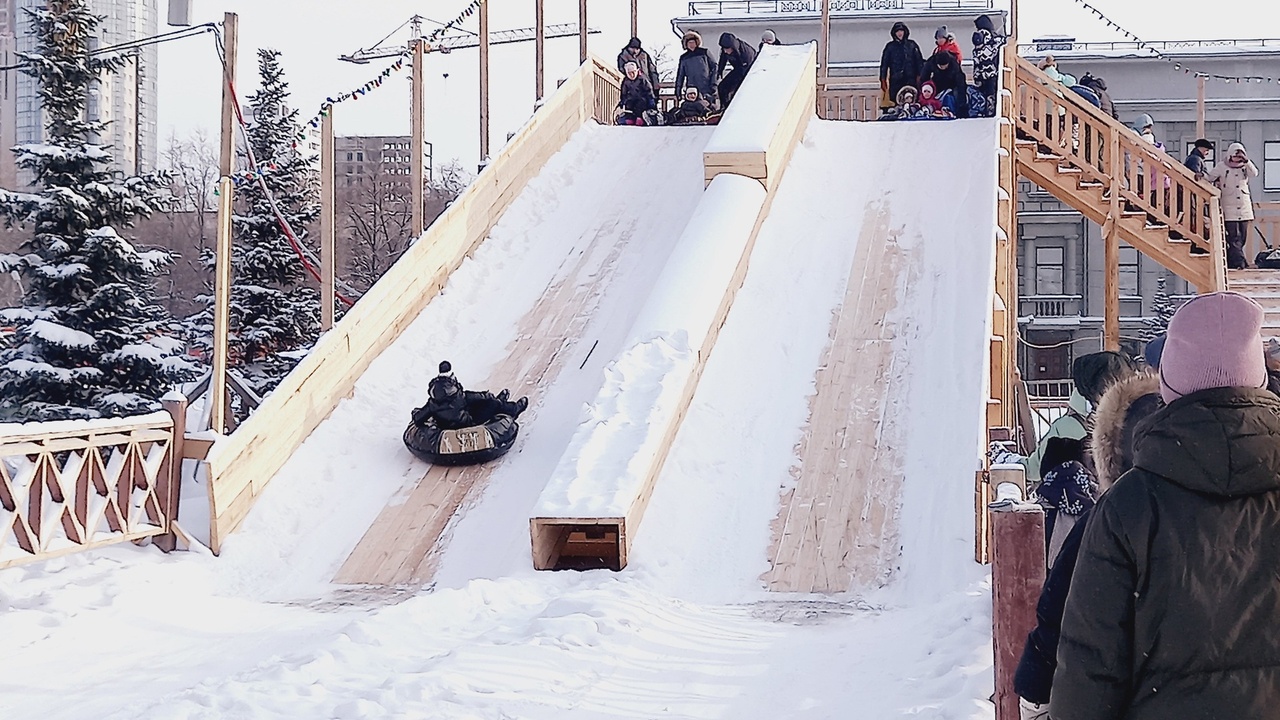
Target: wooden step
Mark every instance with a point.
(1090, 184)
(1069, 170)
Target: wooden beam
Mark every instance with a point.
(1111, 253)
(582, 31)
(635, 18)
(539, 49)
(169, 490)
(484, 81)
(1200, 111)
(417, 132)
(1017, 575)
(221, 310)
(824, 44)
(328, 229)
(231, 40)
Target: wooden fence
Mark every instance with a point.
(849, 99)
(68, 487)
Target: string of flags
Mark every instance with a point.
(395, 67)
(1177, 64)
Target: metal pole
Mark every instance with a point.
(221, 310)
(484, 81)
(539, 50)
(582, 31)
(327, 224)
(417, 121)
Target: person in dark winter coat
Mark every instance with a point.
(696, 68)
(1099, 87)
(1124, 405)
(900, 62)
(944, 71)
(1066, 490)
(637, 97)
(739, 55)
(453, 408)
(768, 37)
(987, 42)
(1172, 607)
(633, 52)
(1195, 159)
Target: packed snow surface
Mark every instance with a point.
(687, 630)
(603, 471)
(752, 120)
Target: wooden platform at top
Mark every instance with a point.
(838, 527)
(404, 544)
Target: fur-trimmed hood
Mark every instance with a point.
(1123, 405)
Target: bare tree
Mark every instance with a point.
(193, 161)
(377, 218)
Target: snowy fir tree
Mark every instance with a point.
(275, 316)
(89, 340)
(1163, 307)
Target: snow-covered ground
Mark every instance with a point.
(686, 630)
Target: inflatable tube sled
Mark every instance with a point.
(462, 446)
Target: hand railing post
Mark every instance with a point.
(1017, 576)
(169, 490)
(1217, 246)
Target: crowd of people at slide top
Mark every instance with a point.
(1161, 487)
(915, 88)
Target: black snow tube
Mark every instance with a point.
(463, 446)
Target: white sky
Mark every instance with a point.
(312, 33)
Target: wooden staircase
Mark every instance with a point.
(1264, 287)
(1136, 192)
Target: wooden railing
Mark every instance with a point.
(849, 99)
(241, 465)
(71, 486)
(1105, 153)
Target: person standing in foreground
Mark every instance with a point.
(1232, 177)
(1173, 603)
(900, 62)
(696, 68)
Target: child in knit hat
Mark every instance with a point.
(946, 42)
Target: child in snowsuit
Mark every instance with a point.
(453, 408)
(906, 108)
(637, 97)
(944, 70)
(946, 41)
(693, 108)
(929, 101)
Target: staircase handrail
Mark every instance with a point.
(1150, 179)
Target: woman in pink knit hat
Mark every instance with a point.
(1172, 611)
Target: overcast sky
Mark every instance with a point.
(312, 33)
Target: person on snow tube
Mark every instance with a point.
(459, 426)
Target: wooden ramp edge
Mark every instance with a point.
(242, 464)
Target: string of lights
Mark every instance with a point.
(1177, 64)
(387, 72)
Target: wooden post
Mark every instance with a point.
(1200, 112)
(1017, 576)
(484, 82)
(635, 18)
(1111, 253)
(327, 221)
(824, 44)
(539, 49)
(582, 31)
(1217, 247)
(231, 39)
(170, 491)
(1013, 23)
(221, 310)
(416, 149)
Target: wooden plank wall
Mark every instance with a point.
(242, 464)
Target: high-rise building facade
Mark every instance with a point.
(125, 101)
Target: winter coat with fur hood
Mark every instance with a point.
(1171, 612)
(1110, 442)
(696, 69)
(1237, 202)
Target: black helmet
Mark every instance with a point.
(444, 386)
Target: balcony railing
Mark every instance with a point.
(776, 7)
(1058, 45)
(1043, 306)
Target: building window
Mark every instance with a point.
(1271, 165)
(350, 157)
(360, 156)
(1129, 271)
(1049, 270)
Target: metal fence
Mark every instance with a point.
(767, 7)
